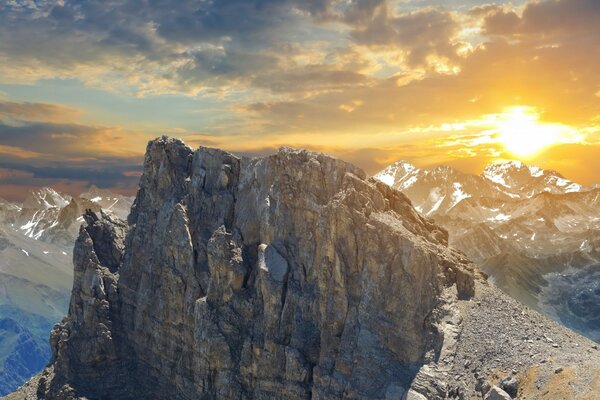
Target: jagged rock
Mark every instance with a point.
(289, 276)
(496, 393)
(83, 344)
(412, 395)
(510, 385)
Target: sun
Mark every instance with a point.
(522, 134)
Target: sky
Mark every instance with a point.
(85, 84)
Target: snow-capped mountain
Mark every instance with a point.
(519, 223)
(45, 198)
(440, 189)
(108, 201)
(521, 181)
(54, 217)
(36, 272)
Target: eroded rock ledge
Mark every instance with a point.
(289, 276)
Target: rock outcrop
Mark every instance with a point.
(289, 276)
(83, 344)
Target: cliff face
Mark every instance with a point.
(289, 276)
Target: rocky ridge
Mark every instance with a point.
(289, 276)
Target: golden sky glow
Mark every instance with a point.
(463, 83)
(521, 133)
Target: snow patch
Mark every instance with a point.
(411, 181)
(536, 172)
(458, 194)
(436, 196)
(396, 173)
(388, 179)
(499, 218)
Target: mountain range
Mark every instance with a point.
(291, 276)
(36, 273)
(536, 233)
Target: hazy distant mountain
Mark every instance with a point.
(117, 204)
(521, 224)
(36, 272)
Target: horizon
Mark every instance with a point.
(462, 84)
(132, 192)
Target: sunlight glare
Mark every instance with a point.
(521, 133)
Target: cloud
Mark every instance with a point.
(157, 46)
(364, 79)
(44, 145)
(35, 111)
(423, 33)
(547, 20)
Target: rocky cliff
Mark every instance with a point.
(291, 276)
(36, 273)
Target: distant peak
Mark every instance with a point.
(400, 165)
(504, 165)
(396, 172)
(443, 168)
(46, 197)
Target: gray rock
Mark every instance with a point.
(289, 276)
(412, 395)
(510, 385)
(84, 343)
(496, 393)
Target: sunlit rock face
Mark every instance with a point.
(290, 276)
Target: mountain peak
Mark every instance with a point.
(521, 180)
(396, 173)
(273, 249)
(45, 198)
(439, 189)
